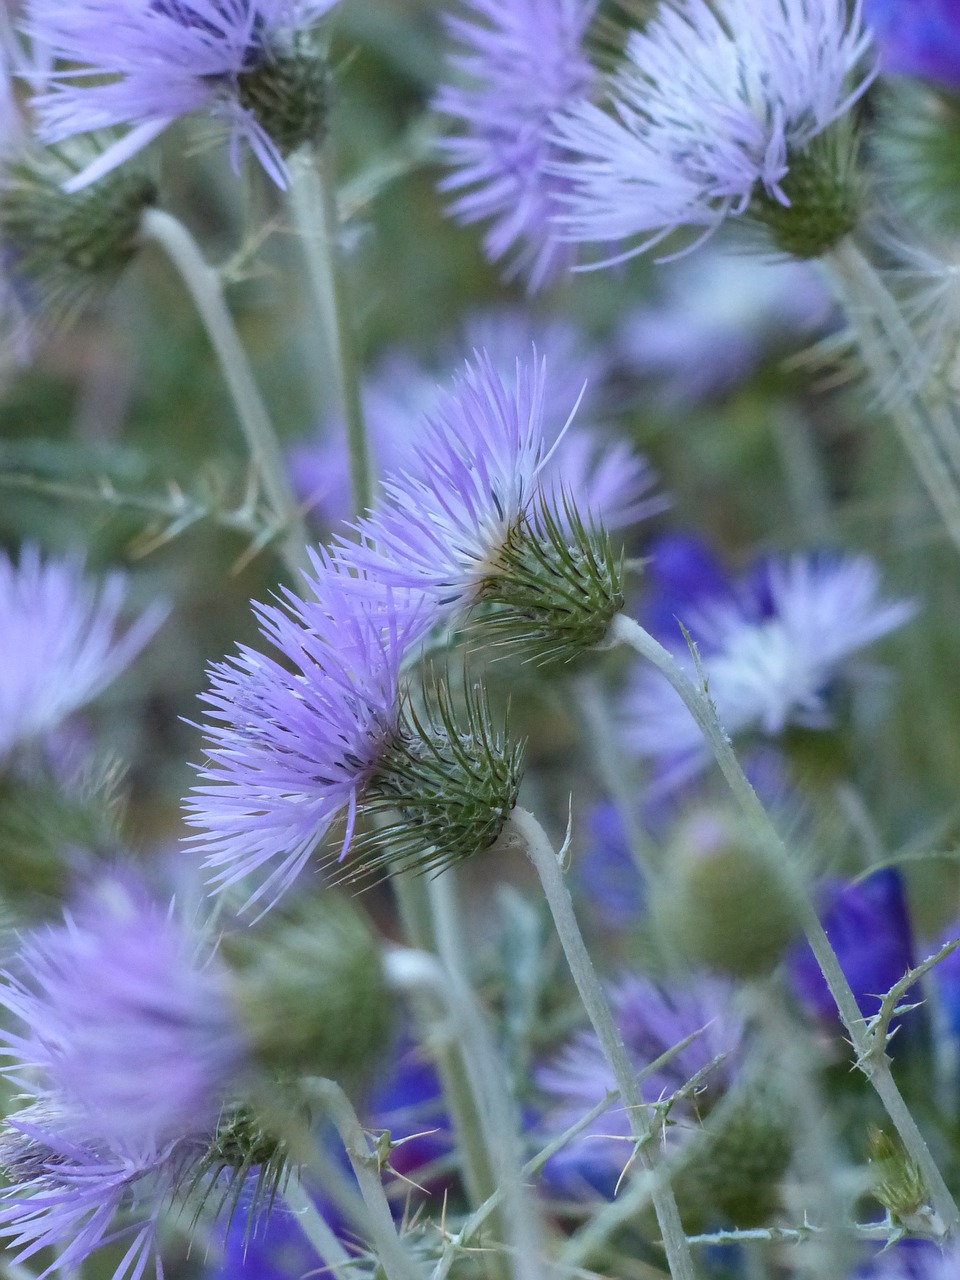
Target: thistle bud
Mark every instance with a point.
(311, 992)
(897, 1182)
(722, 903)
(824, 190)
(447, 785)
(287, 93)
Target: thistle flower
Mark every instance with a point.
(603, 475)
(470, 521)
(130, 1028)
(770, 652)
(59, 632)
(251, 64)
(714, 112)
(522, 63)
(920, 38)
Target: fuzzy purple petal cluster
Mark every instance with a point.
(144, 63)
(124, 1020)
(770, 649)
(291, 742)
(710, 105)
(61, 641)
(521, 61)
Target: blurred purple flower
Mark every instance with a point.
(771, 650)
(917, 37)
(128, 1024)
(290, 752)
(869, 929)
(143, 63)
(911, 1260)
(606, 871)
(60, 641)
(523, 61)
(709, 106)
(652, 1019)
(715, 320)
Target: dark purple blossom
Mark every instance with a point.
(917, 37)
(61, 641)
(290, 751)
(144, 63)
(522, 62)
(606, 870)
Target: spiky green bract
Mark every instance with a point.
(916, 143)
(556, 585)
(895, 1179)
(445, 788)
(288, 95)
(824, 191)
(311, 991)
(60, 249)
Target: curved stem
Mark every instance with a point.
(317, 1230)
(541, 853)
(313, 202)
(205, 289)
(872, 1061)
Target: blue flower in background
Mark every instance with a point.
(917, 37)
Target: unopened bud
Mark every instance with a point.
(287, 93)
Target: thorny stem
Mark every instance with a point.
(887, 345)
(394, 1258)
(313, 201)
(872, 1060)
(203, 284)
(524, 827)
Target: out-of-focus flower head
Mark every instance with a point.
(771, 650)
(129, 1026)
(604, 476)
(712, 110)
(606, 870)
(911, 1260)
(869, 929)
(61, 641)
(289, 752)
(522, 62)
(917, 38)
(716, 318)
(652, 1019)
(142, 64)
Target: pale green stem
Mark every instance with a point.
(317, 1231)
(872, 1061)
(203, 284)
(397, 1262)
(525, 828)
(889, 351)
(313, 202)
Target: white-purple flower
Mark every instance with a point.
(141, 64)
(770, 651)
(710, 107)
(127, 1019)
(292, 743)
(522, 62)
(61, 641)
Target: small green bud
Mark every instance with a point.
(446, 786)
(897, 1181)
(288, 93)
(722, 903)
(556, 585)
(311, 991)
(916, 143)
(824, 187)
(63, 246)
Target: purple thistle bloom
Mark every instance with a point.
(67, 1192)
(59, 637)
(128, 1024)
(161, 59)
(917, 37)
(652, 1019)
(604, 476)
(290, 753)
(770, 651)
(523, 61)
(708, 108)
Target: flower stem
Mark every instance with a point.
(541, 853)
(874, 1063)
(317, 1230)
(397, 1263)
(313, 202)
(205, 289)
